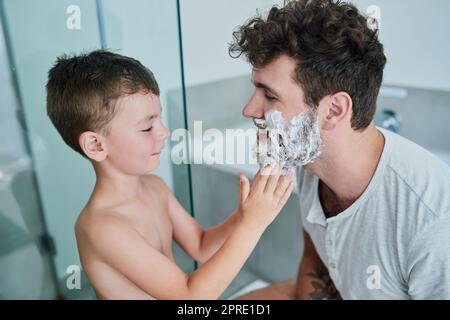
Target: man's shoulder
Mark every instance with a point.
(409, 158)
(415, 172)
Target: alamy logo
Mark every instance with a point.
(374, 280)
(73, 281)
(73, 22)
(374, 17)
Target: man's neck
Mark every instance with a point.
(346, 168)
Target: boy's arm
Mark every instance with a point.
(122, 248)
(207, 242)
(188, 233)
(313, 279)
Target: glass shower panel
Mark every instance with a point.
(148, 31)
(37, 32)
(217, 89)
(25, 263)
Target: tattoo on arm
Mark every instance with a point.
(324, 288)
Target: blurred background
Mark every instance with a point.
(44, 184)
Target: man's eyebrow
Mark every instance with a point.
(266, 87)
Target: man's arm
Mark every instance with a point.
(313, 279)
(428, 262)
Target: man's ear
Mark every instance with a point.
(93, 145)
(337, 107)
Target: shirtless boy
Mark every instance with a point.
(106, 107)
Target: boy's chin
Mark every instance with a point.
(154, 164)
(140, 169)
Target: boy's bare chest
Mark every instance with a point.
(154, 225)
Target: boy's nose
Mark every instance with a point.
(164, 133)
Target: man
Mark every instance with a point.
(375, 207)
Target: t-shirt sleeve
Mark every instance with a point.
(429, 263)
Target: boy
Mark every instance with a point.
(106, 107)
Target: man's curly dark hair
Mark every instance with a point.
(333, 45)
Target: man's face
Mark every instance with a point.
(137, 134)
(275, 88)
(293, 126)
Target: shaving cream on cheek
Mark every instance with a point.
(293, 143)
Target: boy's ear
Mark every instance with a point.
(336, 108)
(93, 146)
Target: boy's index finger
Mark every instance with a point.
(262, 177)
(268, 169)
(274, 178)
(266, 173)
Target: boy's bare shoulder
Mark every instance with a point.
(91, 222)
(156, 184)
(124, 219)
(94, 219)
(155, 181)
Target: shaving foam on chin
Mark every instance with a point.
(293, 143)
(267, 148)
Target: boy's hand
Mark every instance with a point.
(260, 204)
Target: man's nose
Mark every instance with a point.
(253, 109)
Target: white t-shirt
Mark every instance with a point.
(394, 241)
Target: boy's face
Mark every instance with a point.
(137, 134)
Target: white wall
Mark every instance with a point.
(207, 27)
(416, 36)
(415, 33)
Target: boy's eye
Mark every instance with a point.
(147, 130)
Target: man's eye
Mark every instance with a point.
(269, 97)
(148, 130)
